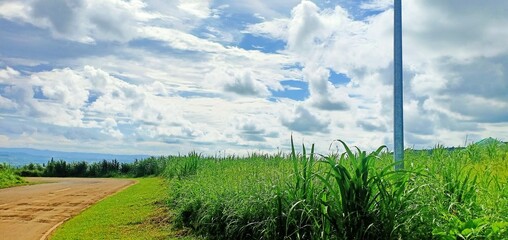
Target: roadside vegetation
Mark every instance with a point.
(138, 212)
(9, 177)
(443, 193)
(151, 166)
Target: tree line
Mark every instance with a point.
(106, 168)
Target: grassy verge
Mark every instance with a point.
(137, 212)
(8, 178)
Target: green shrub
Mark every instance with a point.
(9, 177)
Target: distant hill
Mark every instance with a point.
(22, 156)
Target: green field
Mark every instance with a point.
(138, 212)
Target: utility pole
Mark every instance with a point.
(398, 113)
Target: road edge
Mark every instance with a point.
(48, 233)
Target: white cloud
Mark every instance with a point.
(378, 5)
(127, 112)
(64, 99)
(250, 131)
(427, 83)
(480, 109)
(198, 8)
(276, 28)
(261, 8)
(241, 82)
(323, 94)
(443, 70)
(371, 125)
(416, 122)
(305, 28)
(85, 21)
(303, 121)
(63, 87)
(6, 103)
(175, 77)
(15, 10)
(8, 73)
(180, 40)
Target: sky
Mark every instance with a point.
(221, 76)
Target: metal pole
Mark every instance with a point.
(398, 114)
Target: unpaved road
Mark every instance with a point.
(32, 212)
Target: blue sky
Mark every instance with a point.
(171, 76)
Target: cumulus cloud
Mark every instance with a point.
(85, 21)
(306, 27)
(250, 131)
(323, 94)
(479, 109)
(332, 38)
(371, 125)
(49, 97)
(15, 10)
(63, 86)
(111, 108)
(418, 121)
(459, 63)
(62, 97)
(110, 128)
(8, 73)
(436, 32)
(446, 82)
(242, 82)
(302, 120)
(167, 80)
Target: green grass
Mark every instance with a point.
(138, 212)
(9, 178)
(442, 194)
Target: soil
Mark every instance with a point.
(33, 212)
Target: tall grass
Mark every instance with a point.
(352, 195)
(182, 166)
(462, 193)
(8, 176)
(229, 198)
(368, 201)
(444, 193)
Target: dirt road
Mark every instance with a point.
(32, 212)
